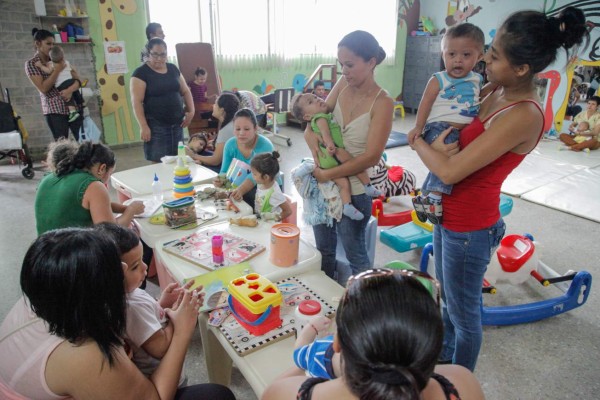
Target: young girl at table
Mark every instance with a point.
(269, 200)
(148, 329)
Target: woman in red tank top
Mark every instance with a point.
(508, 127)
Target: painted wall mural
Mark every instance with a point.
(488, 14)
(459, 11)
(112, 86)
(559, 80)
(408, 14)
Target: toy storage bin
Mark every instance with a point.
(255, 303)
(180, 212)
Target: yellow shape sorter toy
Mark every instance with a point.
(255, 303)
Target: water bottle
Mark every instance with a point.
(181, 151)
(157, 192)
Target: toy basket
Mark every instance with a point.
(180, 212)
(255, 303)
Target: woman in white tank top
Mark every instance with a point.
(364, 112)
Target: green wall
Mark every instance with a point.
(260, 74)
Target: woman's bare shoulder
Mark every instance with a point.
(384, 103)
(287, 388)
(384, 97)
(83, 371)
(69, 360)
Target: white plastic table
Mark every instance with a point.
(137, 182)
(151, 233)
(260, 367)
(309, 258)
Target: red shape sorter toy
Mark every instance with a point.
(255, 303)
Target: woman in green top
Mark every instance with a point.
(74, 193)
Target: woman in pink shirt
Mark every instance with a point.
(63, 339)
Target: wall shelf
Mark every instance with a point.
(61, 17)
(61, 43)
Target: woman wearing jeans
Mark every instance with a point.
(509, 126)
(364, 112)
(158, 92)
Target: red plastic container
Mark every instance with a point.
(255, 303)
(248, 319)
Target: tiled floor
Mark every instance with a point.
(558, 358)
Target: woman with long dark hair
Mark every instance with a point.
(225, 107)
(509, 126)
(389, 336)
(63, 338)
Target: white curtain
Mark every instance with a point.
(315, 27)
(276, 30)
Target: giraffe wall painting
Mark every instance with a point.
(114, 20)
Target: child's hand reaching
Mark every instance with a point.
(236, 195)
(184, 314)
(198, 293)
(137, 207)
(315, 326)
(320, 323)
(171, 293)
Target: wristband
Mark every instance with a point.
(316, 331)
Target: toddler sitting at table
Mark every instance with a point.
(148, 328)
(270, 202)
(316, 356)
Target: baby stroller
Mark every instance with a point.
(13, 137)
